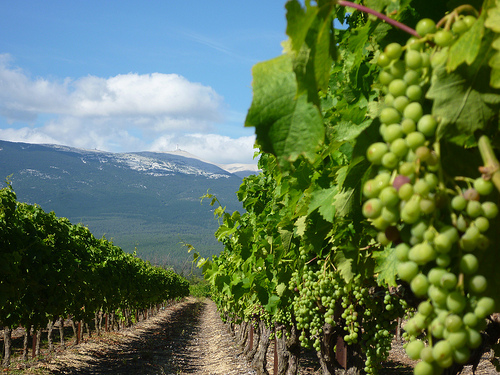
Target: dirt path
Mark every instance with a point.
(187, 338)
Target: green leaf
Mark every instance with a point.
(493, 20)
(344, 262)
(286, 125)
(280, 289)
(324, 199)
(466, 48)
(301, 226)
(299, 22)
(386, 263)
(463, 100)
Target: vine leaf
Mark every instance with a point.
(286, 125)
(493, 22)
(466, 48)
(386, 266)
(464, 102)
(324, 199)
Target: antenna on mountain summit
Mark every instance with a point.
(177, 147)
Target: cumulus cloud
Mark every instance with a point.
(126, 112)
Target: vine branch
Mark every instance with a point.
(379, 15)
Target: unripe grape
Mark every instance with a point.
(398, 87)
(385, 77)
(458, 339)
(427, 125)
(425, 308)
(413, 111)
(372, 208)
(442, 350)
(443, 38)
(474, 338)
(474, 209)
(390, 115)
(389, 196)
(426, 354)
(425, 26)
(399, 147)
(392, 132)
(405, 192)
(398, 69)
(412, 77)
(408, 126)
(459, 27)
(471, 195)
(407, 168)
(423, 153)
(458, 203)
(469, 264)
(376, 151)
(478, 284)
(423, 368)
(413, 59)
(449, 281)
(383, 60)
(485, 306)
(414, 348)
(400, 103)
(393, 51)
(421, 187)
(422, 253)
(461, 355)
(482, 224)
(407, 270)
(453, 323)
(414, 92)
(490, 210)
(399, 181)
(483, 187)
(419, 285)
(415, 140)
(456, 302)
(390, 160)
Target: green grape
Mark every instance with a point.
(392, 132)
(419, 228)
(413, 111)
(478, 284)
(443, 243)
(482, 224)
(401, 251)
(419, 285)
(385, 77)
(414, 93)
(390, 160)
(423, 153)
(425, 308)
(407, 168)
(376, 151)
(398, 69)
(399, 147)
(453, 323)
(408, 126)
(389, 196)
(405, 192)
(474, 338)
(474, 209)
(422, 253)
(383, 60)
(461, 355)
(390, 214)
(469, 264)
(421, 187)
(483, 187)
(413, 59)
(485, 306)
(425, 26)
(443, 38)
(434, 275)
(456, 302)
(400, 103)
(442, 350)
(427, 125)
(397, 87)
(469, 20)
(407, 270)
(393, 51)
(470, 319)
(458, 339)
(390, 115)
(459, 27)
(415, 139)
(412, 77)
(449, 281)
(458, 203)
(490, 210)
(414, 348)
(423, 368)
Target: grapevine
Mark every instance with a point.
(378, 196)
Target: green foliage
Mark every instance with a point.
(52, 268)
(303, 249)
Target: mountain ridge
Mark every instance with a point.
(144, 201)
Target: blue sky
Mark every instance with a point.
(135, 75)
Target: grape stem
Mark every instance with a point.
(379, 15)
(491, 168)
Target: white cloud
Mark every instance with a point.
(127, 112)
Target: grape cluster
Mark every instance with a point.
(363, 315)
(437, 228)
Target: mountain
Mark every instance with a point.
(143, 201)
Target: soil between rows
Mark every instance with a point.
(185, 338)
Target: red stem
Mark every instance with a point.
(381, 16)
